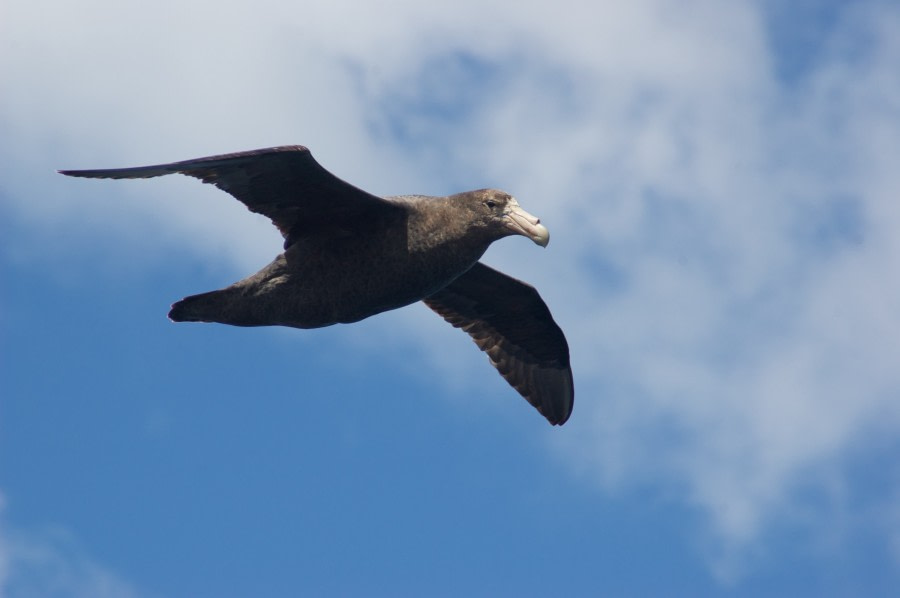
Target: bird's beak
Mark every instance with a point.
(523, 223)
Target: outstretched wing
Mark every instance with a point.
(284, 183)
(510, 322)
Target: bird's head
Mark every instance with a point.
(499, 212)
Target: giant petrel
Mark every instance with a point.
(349, 255)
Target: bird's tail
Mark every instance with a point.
(225, 306)
(205, 307)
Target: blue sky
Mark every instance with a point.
(720, 184)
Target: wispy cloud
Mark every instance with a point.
(52, 563)
(730, 242)
(724, 252)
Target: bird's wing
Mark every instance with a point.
(510, 322)
(284, 183)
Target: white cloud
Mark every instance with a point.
(52, 563)
(724, 244)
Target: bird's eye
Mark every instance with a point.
(491, 203)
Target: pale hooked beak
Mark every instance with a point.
(523, 223)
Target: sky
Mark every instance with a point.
(720, 182)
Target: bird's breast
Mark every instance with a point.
(351, 278)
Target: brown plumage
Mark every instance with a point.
(349, 255)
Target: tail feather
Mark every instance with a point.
(196, 308)
(225, 306)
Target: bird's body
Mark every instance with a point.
(330, 276)
(349, 255)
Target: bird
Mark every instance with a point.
(349, 254)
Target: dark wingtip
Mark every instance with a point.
(84, 174)
(567, 413)
(557, 419)
(554, 393)
(563, 420)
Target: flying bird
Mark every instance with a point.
(349, 254)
